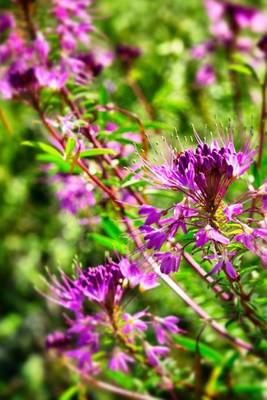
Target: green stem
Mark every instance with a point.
(263, 116)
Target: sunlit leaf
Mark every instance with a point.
(108, 243)
(205, 350)
(42, 146)
(69, 393)
(96, 152)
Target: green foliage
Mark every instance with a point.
(36, 234)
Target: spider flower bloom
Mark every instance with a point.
(101, 285)
(203, 175)
(99, 325)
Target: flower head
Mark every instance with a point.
(205, 75)
(204, 174)
(120, 361)
(75, 194)
(110, 333)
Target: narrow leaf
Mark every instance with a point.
(205, 350)
(96, 152)
(108, 243)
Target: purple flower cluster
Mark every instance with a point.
(26, 65)
(29, 65)
(74, 22)
(100, 327)
(74, 194)
(228, 21)
(228, 18)
(203, 175)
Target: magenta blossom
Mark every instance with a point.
(154, 353)
(120, 361)
(75, 194)
(99, 326)
(205, 75)
(202, 219)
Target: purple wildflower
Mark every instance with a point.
(120, 361)
(57, 340)
(74, 22)
(202, 49)
(203, 175)
(154, 353)
(135, 276)
(168, 262)
(164, 326)
(237, 16)
(232, 210)
(208, 233)
(205, 75)
(154, 237)
(134, 322)
(91, 333)
(75, 194)
(153, 215)
(227, 266)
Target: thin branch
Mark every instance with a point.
(113, 388)
(121, 392)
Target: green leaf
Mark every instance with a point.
(70, 145)
(128, 128)
(134, 182)
(43, 146)
(111, 228)
(10, 324)
(69, 393)
(256, 174)
(121, 379)
(249, 389)
(205, 350)
(96, 152)
(62, 165)
(156, 125)
(245, 69)
(108, 243)
(241, 69)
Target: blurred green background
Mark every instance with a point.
(36, 234)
